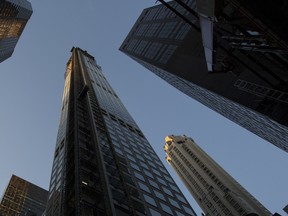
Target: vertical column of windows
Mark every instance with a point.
(167, 29)
(152, 50)
(151, 32)
(167, 54)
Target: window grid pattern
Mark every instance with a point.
(216, 192)
(140, 157)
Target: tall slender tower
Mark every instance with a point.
(216, 192)
(103, 164)
(222, 56)
(14, 15)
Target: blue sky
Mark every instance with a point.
(31, 87)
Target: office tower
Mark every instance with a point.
(14, 14)
(216, 192)
(232, 62)
(103, 164)
(23, 198)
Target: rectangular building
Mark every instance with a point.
(103, 164)
(216, 192)
(229, 61)
(14, 15)
(22, 198)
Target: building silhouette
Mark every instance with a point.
(103, 164)
(14, 14)
(286, 209)
(216, 192)
(224, 56)
(23, 198)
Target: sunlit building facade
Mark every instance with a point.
(22, 198)
(103, 164)
(216, 192)
(232, 62)
(14, 15)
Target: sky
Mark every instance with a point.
(32, 82)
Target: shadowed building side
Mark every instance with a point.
(232, 64)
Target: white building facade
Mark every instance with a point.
(216, 192)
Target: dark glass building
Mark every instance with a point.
(14, 15)
(222, 55)
(103, 164)
(22, 198)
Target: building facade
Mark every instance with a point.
(103, 164)
(216, 192)
(14, 15)
(22, 198)
(229, 63)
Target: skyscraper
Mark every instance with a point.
(103, 164)
(232, 62)
(23, 198)
(216, 192)
(14, 15)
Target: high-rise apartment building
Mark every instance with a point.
(103, 164)
(14, 14)
(216, 192)
(231, 61)
(22, 198)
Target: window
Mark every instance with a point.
(154, 184)
(167, 54)
(167, 191)
(181, 198)
(179, 213)
(154, 213)
(131, 158)
(144, 187)
(166, 208)
(148, 173)
(156, 172)
(167, 29)
(161, 181)
(168, 178)
(159, 195)
(143, 165)
(174, 203)
(139, 176)
(149, 200)
(174, 188)
(188, 210)
(135, 166)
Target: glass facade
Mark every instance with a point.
(13, 18)
(247, 87)
(102, 156)
(23, 198)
